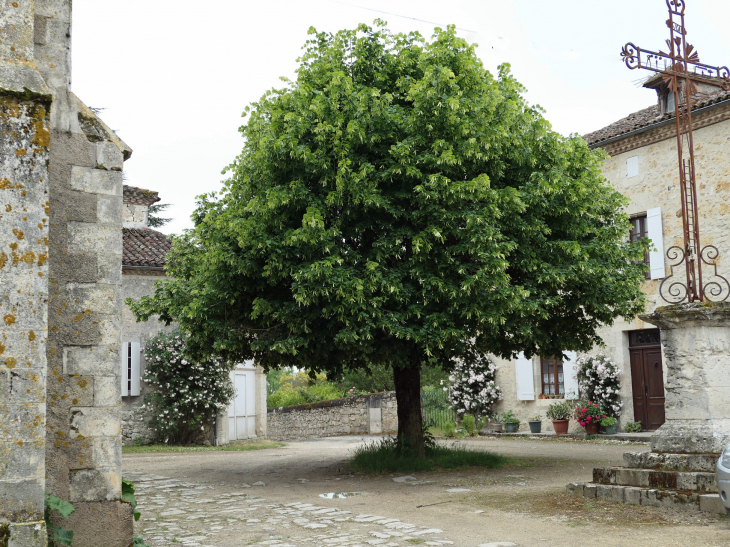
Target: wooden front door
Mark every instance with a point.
(647, 378)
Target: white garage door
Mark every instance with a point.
(242, 410)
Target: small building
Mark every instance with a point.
(143, 264)
(643, 166)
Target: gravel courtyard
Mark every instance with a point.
(274, 497)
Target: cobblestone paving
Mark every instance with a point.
(176, 513)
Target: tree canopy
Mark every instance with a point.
(398, 205)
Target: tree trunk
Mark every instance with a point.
(408, 396)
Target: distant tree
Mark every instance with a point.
(399, 206)
(154, 221)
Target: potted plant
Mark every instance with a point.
(535, 424)
(589, 415)
(497, 423)
(510, 421)
(609, 424)
(632, 427)
(560, 414)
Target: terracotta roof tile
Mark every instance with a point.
(646, 118)
(139, 196)
(144, 247)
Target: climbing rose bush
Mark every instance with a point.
(599, 380)
(187, 395)
(472, 388)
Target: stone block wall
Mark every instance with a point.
(365, 414)
(24, 151)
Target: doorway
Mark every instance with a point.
(647, 378)
(242, 410)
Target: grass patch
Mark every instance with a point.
(384, 457)
(237, 447)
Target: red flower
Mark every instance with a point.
(584, 409)
(588, 419)
(582, 424)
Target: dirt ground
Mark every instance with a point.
(522, 503)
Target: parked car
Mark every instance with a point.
(723, 478)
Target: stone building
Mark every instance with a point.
(143, 264)
(60, 289)
(643, 166)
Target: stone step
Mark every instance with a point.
(653, 497)
(671, 462)
(693, 481)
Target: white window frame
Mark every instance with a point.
(655, 233)
(632, 167)
(130, 369)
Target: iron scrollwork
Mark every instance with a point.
(719, 286)
(676, 291)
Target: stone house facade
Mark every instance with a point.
(60, 289)
(643, 166)
(143, 264)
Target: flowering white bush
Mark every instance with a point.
(188, 396)
(600, 382)
(473, 389)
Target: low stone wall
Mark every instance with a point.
(365, 414)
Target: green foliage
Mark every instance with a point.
(467, 423)
(384, 456)
(154, 221)
(188, 394)
(632, 427)
(562, 410)
(398, 206)
(508, 417)
(138, 541)
(608, 421)
(301, 388)
(536, 418)
(128, 496)
(379, 378)
(449, 429)
(58, 534)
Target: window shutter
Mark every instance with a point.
(134, 388)
(654, 232)
(570, 377)
(632, 167)
(525, 378)
(123, 371)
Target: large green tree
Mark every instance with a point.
(397, 205)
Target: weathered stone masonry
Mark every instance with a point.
(60, 280)
(366, 414)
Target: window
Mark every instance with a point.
(130, 373)
(553, 381)
(632, 167)
(639, 231)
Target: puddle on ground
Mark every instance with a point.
(339, 495)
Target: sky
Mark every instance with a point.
(174, 76)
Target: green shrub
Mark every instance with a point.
(632, 427)
(608, 422)
(449, 429)
(385, 456)
(301, 388)
(562, 410)
(188, 395)
(468, 423)
(508, 417)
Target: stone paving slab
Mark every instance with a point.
(176, 513)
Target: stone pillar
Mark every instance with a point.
(25, 107)
(696, 342)
(260, 394)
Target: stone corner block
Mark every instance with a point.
(108, 156)
(712, 504)
(28, 534)
(575, 489)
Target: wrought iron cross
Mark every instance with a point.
(683, 73)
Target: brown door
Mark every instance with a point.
(647, 379)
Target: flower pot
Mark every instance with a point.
(511, 427)
(611, 429)
(592, 428)
(497, 428)
(561, 426)
(535, 426)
